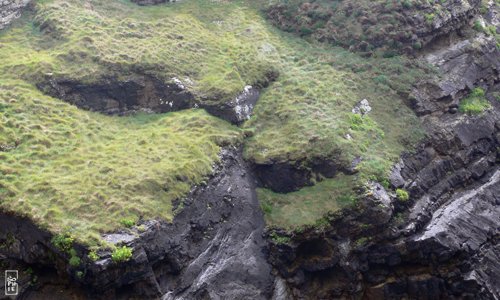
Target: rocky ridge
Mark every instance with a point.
(11, 10)
(403, 26)
(148, 94)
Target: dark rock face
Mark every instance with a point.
(283, 178)
(24, 246)
(213, 249)
(112, 96)
(443, 242)
(238, 110)
(288, 177)
(149, 94)
(466, 64)
(11, 10)
(402, 27)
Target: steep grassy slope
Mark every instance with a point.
(87, 41)
(77, 171)
(70, 169)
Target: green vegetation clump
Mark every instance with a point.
(478, 26)
(475, 103)
(361, 241)
(279, 239)
(127, 222)
(402, 195)
(121, 254)
(429, 18)
(63, 242)
(93, 256)
(74, 261)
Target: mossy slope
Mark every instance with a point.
(81, 172)
(70, 169)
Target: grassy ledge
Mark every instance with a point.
(81, 172)
(475, 103)
(306, 206)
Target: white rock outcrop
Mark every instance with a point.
(10, 10)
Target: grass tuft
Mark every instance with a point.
(122, 254)
(475, 103)
(402, 195)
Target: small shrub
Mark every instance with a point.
(483, 9)
(79, 274)
(278, 239)
(475, 103)
(406, 4)
(74, 261)
(127, 222)
(478, 92)
(496, 96)
(385, 183)
(322, 223)
(399, 218)
(121, 254)
(72, 252)
(361, 241)
(347, 199)
(356, 121)
(63, 242)
(382, 79)
(402, 195)
(93, 256)
(305, 30)
(429, 18)
(478, 26)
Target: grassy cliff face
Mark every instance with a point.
(87, 41)
(80, 171)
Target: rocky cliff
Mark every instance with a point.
(364, 26)
(10, 10)
(214, 248)
(443, 242)
(440, 243)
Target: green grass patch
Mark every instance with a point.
(307, 205)
(475, 103)
(402, 195)
(75, 261)
(211, 51)
(122, 254)
(127, 222)
(93, 256)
